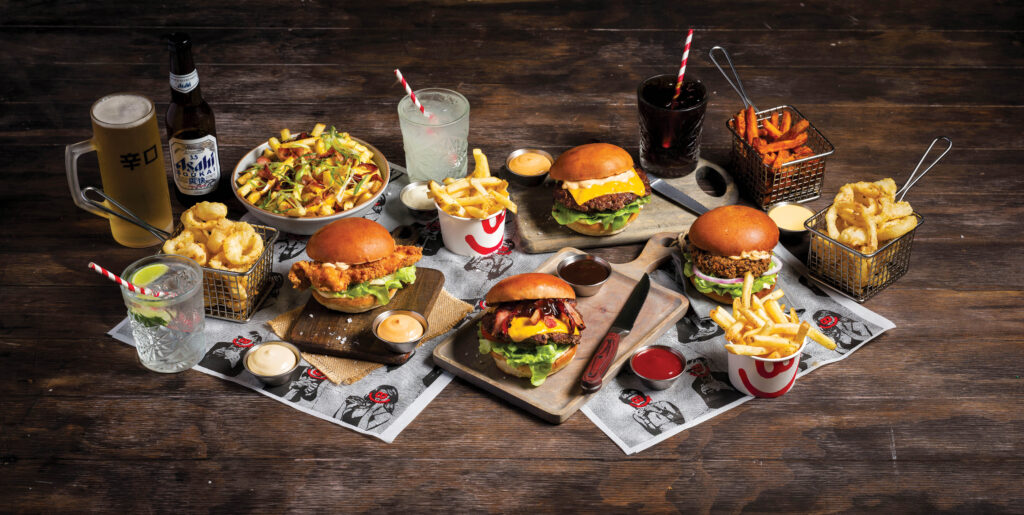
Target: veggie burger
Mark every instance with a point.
(599, 192)
(355, 265)
(531, 327)
(726, 243)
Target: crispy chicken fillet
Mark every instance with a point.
(330, 277)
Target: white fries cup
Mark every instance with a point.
(763, 377)
(472, 236)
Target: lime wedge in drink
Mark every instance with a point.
(148, 274)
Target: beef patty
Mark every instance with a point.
(724, 267)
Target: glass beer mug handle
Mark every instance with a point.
(71, 154)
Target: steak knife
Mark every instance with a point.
(670, 192)
(601, 361)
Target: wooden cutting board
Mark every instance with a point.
(560, 396)
(538, 232)
(350, 335)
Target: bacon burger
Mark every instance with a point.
(726, 243)
(531, 327)
(599, 190)
(355, 265)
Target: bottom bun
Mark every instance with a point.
(598, 229)
(561, 361)
(352, 305)
(727, 299)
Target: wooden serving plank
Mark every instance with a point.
(323, 331)
(560, 396)
(538, 232)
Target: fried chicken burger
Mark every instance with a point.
(726, 243)
(355, 265)
(531, 327)
(599, 192)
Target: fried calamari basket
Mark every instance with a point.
(235, 296)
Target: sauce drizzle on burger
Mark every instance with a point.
(531, 327)
(355, 265)
(599, 191)
(726, 243)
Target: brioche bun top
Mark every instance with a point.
(352, 241)
(733, 230)
(530, 286)
(591, 161)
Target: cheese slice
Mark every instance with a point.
(521, 328)
(632, 184)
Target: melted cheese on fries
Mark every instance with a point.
(625, 182)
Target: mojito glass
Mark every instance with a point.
(435, 145)
(168, 331)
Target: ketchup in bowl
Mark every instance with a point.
(657, 363)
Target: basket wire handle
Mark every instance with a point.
(738, 84)
(127, 216)
(914, 176)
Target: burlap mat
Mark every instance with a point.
(447, 312)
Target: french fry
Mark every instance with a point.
(770, 126)
(787, 121)
(801, 333)
(781, 158)
(741, 125)
(751, 124)
(775, 119)
(748, 286)
(745, 350)
(482, 169)
(504, 201)
(798, 128)
(475, 212)
(775, 312)
(722, 318)
(783, 144)
(821, 339)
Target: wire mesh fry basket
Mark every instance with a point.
(856, 275)
(234, 296)
(799, 180)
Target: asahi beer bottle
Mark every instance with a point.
(191, 132)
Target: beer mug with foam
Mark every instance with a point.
(126, 139)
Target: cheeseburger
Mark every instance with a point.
(355, 265)
(726, 243)
(599, 191)
(531, 327)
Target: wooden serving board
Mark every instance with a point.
(538, 232)
(560, 396)
(323, 331)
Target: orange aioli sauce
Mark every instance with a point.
(529, 164)
(399, 329)
(790, 216)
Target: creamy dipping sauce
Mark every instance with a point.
(399, 329)
(270, 360)
(790, 217)
(529, 164)
(416, 198)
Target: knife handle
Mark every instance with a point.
(600, 362)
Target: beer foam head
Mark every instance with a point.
(122, 110)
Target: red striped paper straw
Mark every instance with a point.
(682, 67)
(412, 95)
(131, 287)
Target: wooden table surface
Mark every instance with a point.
(928, 417)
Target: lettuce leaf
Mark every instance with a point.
(378, 287)
(733, 290)
(613, 220)
(539, 359)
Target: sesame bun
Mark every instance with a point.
(351, 305)
(598, 229)
(561, 361)
(352, 241)
(530, 286)
(733, 230)
(591, 161)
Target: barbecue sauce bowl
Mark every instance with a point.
(657, 366)
(585, 273)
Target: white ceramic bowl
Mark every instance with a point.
(305, 225)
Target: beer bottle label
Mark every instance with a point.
(196, 164)
(185, 83)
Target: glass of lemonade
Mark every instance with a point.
(168, 332)
(435, 146)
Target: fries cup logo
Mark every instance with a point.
(762, 377)
(472, 236)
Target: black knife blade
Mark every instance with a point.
(602, 359)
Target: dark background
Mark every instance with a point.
(926, 418)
